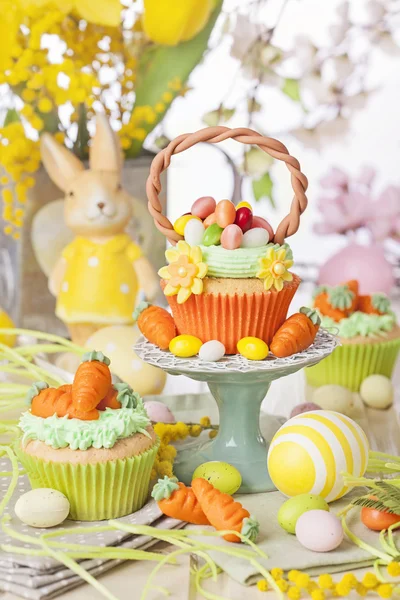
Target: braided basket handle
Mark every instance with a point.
(288, 226)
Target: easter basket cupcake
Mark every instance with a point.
(229, 274)
(91, 440)
(368, 332)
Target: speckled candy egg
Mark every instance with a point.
(319, 531)
(158, 412)
(377, 391)
(223, 476)
(212, 351)
(43, 507)
(244, 218)
(194, 232)
(180, 224)
(231, 237)
(304, 407)
(254, 238)
(225, 213)
(293, 508)
(252, 348)
(334, 397)
(203, 207)
(185, 346)
(263, 223)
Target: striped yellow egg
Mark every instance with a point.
(310, 451)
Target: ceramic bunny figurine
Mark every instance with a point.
(98, 277)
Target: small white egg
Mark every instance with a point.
(253, 238)
(319, 531)
(194, 232)
(43, 507)
(377, 391)
(212, 351)
(334, 397)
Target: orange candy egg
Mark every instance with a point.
(210, 220)
(225, 213)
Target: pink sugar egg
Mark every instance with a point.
(225, 213)
(211, 219)
(158, 412)
(203, 207)
(319, 531)
(231, 237)
(244, 218)
(261, 222)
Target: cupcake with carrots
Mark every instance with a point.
(368, 332)
(91, 440)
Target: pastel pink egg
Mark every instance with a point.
(244, 218)
(225, 213)
(261, 222)
(231, 237)
(211, 219)
(203, 207)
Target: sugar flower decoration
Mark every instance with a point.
(185, 272)
(274, 269)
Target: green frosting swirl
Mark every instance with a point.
(241, 263)
(35, 390)
(96, 356)
(250, 528)
(361, 324)
(60, 432)
(164, 489)
(381, 302)
(340, 297)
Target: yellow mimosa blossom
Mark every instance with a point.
(274, 269)
(101, 12)
(170, 22)
(185, 272)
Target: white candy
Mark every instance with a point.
(43, 507)
(194, 232)
(334, 397)
(212, 351)
(377, 391)
(255, 237)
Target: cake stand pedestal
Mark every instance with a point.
(238, 386)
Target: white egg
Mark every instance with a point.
(212, 351)
(194, 232)
(377, 391)
(255, 237)
(334, 397)
(43, 507)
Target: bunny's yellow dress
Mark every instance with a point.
(100, 283)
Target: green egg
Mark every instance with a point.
(223, 476)
(293, 508)
(212, 235)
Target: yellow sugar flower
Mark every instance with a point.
(274, 269)
(185, 271)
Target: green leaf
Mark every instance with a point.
(12, 116)
(386, 498)
(291, 87)
(262, 188)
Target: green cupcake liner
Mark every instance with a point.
(95, 491)
(350, 364)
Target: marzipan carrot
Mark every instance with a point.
(82, 415)
(47, 403)
(178, 501)
(92, 382)
(337, 302)
(156, 324)
(223, 512)
(376, 304)
(296, 334)
(109, 400)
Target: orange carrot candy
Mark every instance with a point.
(92, 381)
(377, 304)
(337, 302)
(223, 512)
(178, 501)
(45, 401)
(156, 324)
(296, 334)
(120, 395)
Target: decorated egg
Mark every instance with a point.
(212, 235)
(6, 323)
(376, 391)
(334, 397)
(212, 351)
(223, 476)
(210, 220)
(231, 237)
(309, 453)
(194, 232)
(304, 407)
(263, 223)
(42, 507)
(252, 348)
(319, 531)
(185, 346)
(225, 213)
(158, 412)
(203, 207)
(254, 238)
(244, 204)
(180, 224)
(244, 218)
(293, 508)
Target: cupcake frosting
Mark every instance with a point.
(368, 325)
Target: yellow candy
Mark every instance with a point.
(180, 224)
(223, 476)
(185, 345)
(253, 348)
(6, 323)
(244, 204)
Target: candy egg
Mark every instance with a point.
(319, 531)
(203, 207)
(185, 345)
(252, 348)
(212, 235)
(263, 223)
(377, 391)
(223, 476)
(212, 351)
(210, 220)
(43, 507)
(293, 508)
(304, 407)
(254, 238)
(244, 204)
(180, 224)
(194, 232)
(231, 237)
(244, 218)
(6, 323)
(225, 213)
(158, 412)
(334, 397)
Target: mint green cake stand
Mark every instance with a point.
(238, 386)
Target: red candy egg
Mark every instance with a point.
(244, 218)
(263, 223)
(225, 213)
(231, 237)
(203, 207)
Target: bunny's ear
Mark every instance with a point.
(105, 151)
(60, 163)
